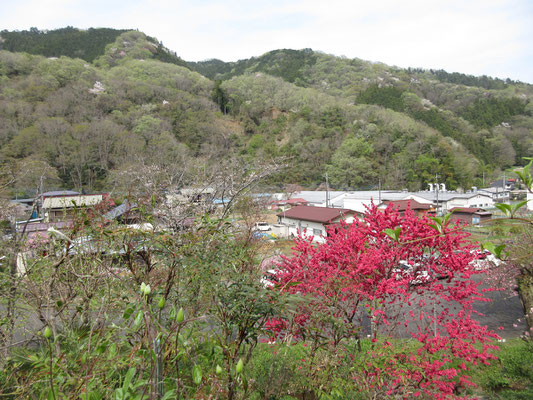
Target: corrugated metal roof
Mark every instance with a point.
(42, 226)
(316, 214)
(469, 210)
(119, 210)
(316, 197)
(59, 193)
(402, 205)
(71, 201)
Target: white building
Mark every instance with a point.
(313, 221)
(498, 194)
(445, 201)
(318, 198)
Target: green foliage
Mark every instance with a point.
(486, 113)
(512, 376)
(385, 96)
(69, 42)
(351, 164)
(291, 65)
(84, 120)
(510, 209)
(525, 174)
(484, 81)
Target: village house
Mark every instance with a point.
(402, 206)
(58, 206)
(470, 215)
(313, 221)
(498, 194)
(286, 204)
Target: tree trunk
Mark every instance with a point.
(525, 290)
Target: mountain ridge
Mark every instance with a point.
(359, 121)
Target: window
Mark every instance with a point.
(317, 232)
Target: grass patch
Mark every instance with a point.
(511, 376)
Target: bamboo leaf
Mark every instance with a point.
(127, 379)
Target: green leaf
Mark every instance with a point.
(112, 351)
(437, 227)
(139, 318)
(394, 234)
(127, 379)
(292, 284)
(488, 246)
(519, 205)
(119, 394)
(496, 250)
(168, 395)
(197, 374)
(505, 208)
(240, 366)
(127, 312)
(438, 224)
(438, 220)
(447, 217)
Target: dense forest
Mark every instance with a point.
(113, 99)
(75, 43)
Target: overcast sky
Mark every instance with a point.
(491, 37)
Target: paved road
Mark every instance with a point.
(501, 311)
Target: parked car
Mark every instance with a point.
(262, 226)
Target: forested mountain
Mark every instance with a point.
(75, 43)
(90, 122)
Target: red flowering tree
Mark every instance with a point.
(389, 277)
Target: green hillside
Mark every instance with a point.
(74, 43)
(362, 122)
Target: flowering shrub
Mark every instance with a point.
(391, 276)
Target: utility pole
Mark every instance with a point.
(327, 190)
(437, 194)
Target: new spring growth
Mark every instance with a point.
(239, 366)
(47, 332)
(145, 289)
(161, 303)
(180, 316)
(218, 369)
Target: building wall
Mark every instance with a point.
(462, 217)
(310, 228)
(478, 201)
(358, 205)
(470, 218)
(281, 231)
